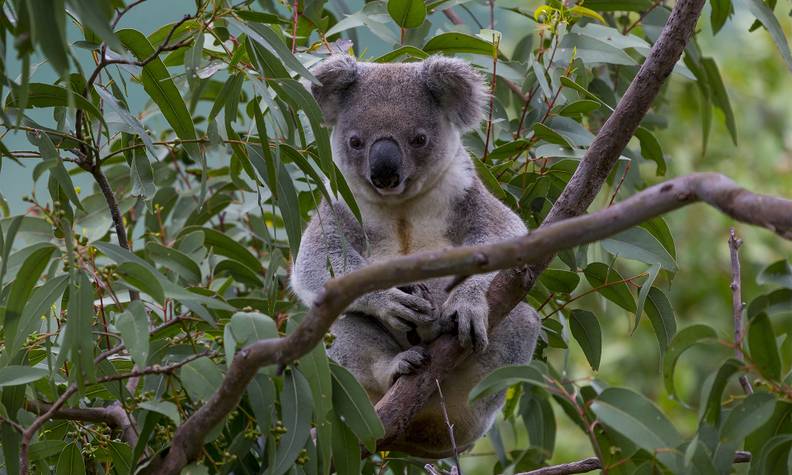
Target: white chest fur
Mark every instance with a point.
(419, 225)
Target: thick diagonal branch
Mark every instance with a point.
(715, 189)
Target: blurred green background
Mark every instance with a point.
(760, 89)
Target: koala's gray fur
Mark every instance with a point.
(439, 202)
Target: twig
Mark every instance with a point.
(621, 182)
(592, 463)
(737, 303)
(495, 42)
(14, 424)
(453, 17)
(113, 415)
(450, 428)
(640, 19)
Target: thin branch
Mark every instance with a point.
(396, 412)
(113, 415)
(737, 304)
(453, 17)
(592, 463)
(450, 428)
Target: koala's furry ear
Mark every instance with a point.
(336, 73)
(458, 88)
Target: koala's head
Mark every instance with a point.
(397, 127)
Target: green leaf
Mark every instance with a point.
(289, 205)
(719, 96)
(539, 421)
(296, 407)
(70, 461)
(490, 181)
(50, 20)
(352, 405)
(753, 412)
(619, 5)
(453, 42)
(81, 315)
(549, 135)
(248, 327)
(712, 410)
(586, 330)
(223, 245)
(658, 228)
(142, 175)
(504, 377)
(200, 378)
(651, 149)
(407, 13)
(346, 450)
(266, 37)
(559, 280)
(95, 14)
(50, 95)
(609, 284)
(639, 420)
(19, 375)
(567, 82)
(643, 294)
(763, 347)
(261, 394)
(37, 306)
(683, 340)
(315, 366)
(661, 316)
(141, 278)
(18, 298)
(160, 88)
(721, 10)
(638, 244)
(768, 19)
(773, 458)
(778, 273)
(582, 106)
(134, 328)
(166, 408)
(174, 260)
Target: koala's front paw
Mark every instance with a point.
(467, 309)
(408, 362)
(401, 310)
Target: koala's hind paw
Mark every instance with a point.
(408, 362)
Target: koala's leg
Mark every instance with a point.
(366, 348)
(512, 342)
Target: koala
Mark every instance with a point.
(397, 139)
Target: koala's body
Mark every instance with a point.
(397, 140)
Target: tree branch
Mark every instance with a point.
(592, 463)
(113, 415)
(737, 304)
(715, 189)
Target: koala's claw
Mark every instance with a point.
(404, 311)
(471, 315)
(408, 362)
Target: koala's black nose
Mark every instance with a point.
(385, 163)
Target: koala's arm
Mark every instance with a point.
(481, 219)
(333, 245)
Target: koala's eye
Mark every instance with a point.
(418, 141)
(355, 142)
